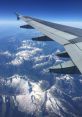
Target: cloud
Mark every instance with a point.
(46, 61)
(26, 52)
(65, 78)
(6, 53)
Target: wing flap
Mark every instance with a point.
(27, 27)
(76, 55)
(63, 54)
(42, 38)
(65, 68)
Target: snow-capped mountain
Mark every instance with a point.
(40, 98)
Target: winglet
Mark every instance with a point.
(18, 16)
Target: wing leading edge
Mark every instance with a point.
(69, 37)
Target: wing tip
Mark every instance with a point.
(18, 15)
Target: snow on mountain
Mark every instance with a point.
(41, 98)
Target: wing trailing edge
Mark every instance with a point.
(63, 54)
(27, 27)
(65, 68)
(42, 38)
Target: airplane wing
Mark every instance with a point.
(69, 37)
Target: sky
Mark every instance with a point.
(57, 10)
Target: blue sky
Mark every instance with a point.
(62, 10)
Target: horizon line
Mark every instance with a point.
(15, 22)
